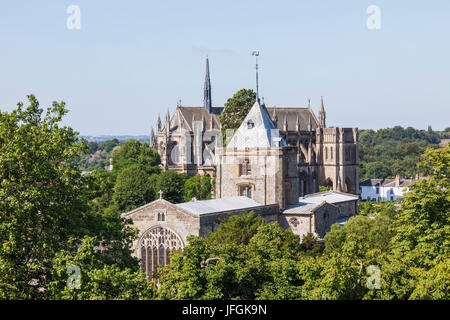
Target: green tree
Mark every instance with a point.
(236, 109)
(132, 188)
(420, 246)
(97, 280)
(248, 259)
(171, 184)
(109, 145)
(46, 205)
(199, 187)
(134, 152)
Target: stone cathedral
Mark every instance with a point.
(272, 165)
(188, 141)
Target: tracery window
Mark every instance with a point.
(155, 246)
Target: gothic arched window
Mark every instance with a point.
(154, 247)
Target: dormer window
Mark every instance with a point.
(250, 124)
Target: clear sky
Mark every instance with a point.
(134, 59)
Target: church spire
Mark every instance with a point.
(322, 114)
(207, 101)
(152, 139)
(158, 123)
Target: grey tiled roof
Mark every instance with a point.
(200, 207)
(291, 114)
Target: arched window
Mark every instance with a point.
(326, 153)
(246, 191)
(331, 153)
(154, 247)
(348, 185)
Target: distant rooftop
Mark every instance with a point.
(387, 182)
(310, 202)
(200, 207)
(329, 196)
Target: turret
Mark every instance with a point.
(322, 114)
(158, 124)
(152, 143)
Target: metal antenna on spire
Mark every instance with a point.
(256, 54)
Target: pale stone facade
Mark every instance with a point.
(272, 165)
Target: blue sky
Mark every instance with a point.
(134, 59)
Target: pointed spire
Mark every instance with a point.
(207, 100)
(167, 122)
(322, 114)
(152, 139)
(168, 115)
(309, 103)
(158, 123)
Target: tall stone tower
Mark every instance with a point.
(338, 148)
(257, 163)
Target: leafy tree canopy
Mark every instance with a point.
(134, 152)
(236, 109)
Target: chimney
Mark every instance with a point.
(397, 180)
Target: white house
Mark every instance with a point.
(385, 189)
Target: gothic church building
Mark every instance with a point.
(189, 140)
(272, 165)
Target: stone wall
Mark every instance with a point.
(177, 220)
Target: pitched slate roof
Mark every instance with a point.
(291, 114)
(201, 207)
(256, 131)
(199, 113)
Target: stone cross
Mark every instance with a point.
(160, 194)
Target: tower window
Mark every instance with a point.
(245, 191)
(245, 168)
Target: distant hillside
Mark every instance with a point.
(387, 152)
(102, 138)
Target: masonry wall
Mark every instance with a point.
(177, 220)
(209, 223)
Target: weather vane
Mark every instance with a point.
(256, 54)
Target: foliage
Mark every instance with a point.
(370, 208)
(171, 184)
(132, 188)
(236, 109)
(138, 153)
(97, 280)
(257, 262)
(421, 242)
(109, 145)
(393, 151)
(199, 187)
(46, 204)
